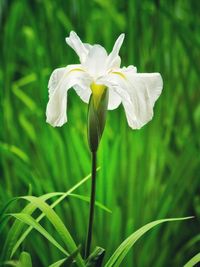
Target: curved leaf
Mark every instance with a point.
(58, 263)
(67, 261)
(58, 225)
(13, 241)
(24, 260)
(27, 219)
(193, 261)
(120, 253)
(87, 199)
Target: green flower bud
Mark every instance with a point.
(97, 110)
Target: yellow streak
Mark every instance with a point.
(76, 70)
(120, 74)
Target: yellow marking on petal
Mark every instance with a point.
(120, 74)
(77, 69)
(97, 92)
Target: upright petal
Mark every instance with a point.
(114, 60)
(138, 92)
(75, 43)
(60, 81)
(95, 63)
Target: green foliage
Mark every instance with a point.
(24, 260)
(145, 175)
(119, 255)
(95, 258)
(192, 262)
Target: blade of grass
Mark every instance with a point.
(24, 260)
(58, 225)
(13, 241)
(120, 253)
(193, 261)
(87, 199)
(29, 220)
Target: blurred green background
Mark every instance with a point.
(145, 175)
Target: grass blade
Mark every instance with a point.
(29, 220)
(125, 246)
(24, 260)
(58, 225)
(87, 199)
(193, 261)
(13, 240)
(58, 263)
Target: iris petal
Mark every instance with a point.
(60, 82)
(114, 60)
(95, 63)
(138, 93)
(75, 43)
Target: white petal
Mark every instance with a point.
(144, 90)
(75, 43)
(83, 92)
(113, 60)
(128, 70)
(116, 94)
(60, 81)
(153, 83)
(114, 99)
(95, 63)
(138, 93)
(88, 46)
(55, 77)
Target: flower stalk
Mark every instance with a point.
(97, 111)
(92, 202)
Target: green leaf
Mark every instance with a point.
(27, 219)
(120, 253)
(68, 261)
(58, 263)
(87, 199)
(13, 241)
(193, 261)
(24, 260)
(9, 263)
(96, 257)
(58, 225)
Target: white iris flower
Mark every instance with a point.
(137, 92)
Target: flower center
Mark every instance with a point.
(97, 91)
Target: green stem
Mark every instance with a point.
(92, 204)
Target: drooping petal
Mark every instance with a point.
(95, 63)
(144, 90)
(138, 93)
(75, 43)
(60, 81)
(114, 60)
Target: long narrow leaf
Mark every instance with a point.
(118, 256)
(58, 263)
(58, 225)
(13, 241)
(24, 260)
(29, 220)
(87, 199)
(193, 261)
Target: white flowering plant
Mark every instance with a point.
(101, 83)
